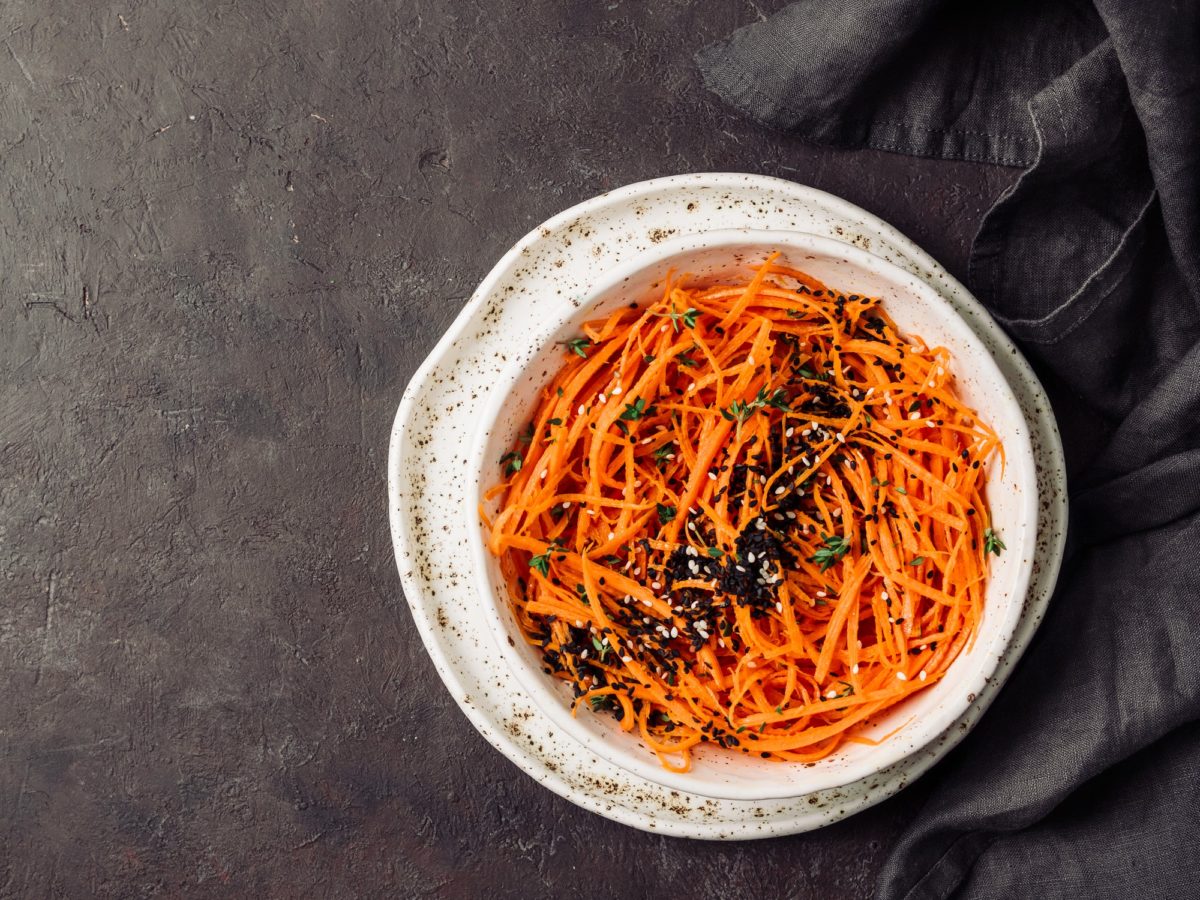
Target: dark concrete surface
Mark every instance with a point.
(229, 232)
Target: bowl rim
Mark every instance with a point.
(643, 764)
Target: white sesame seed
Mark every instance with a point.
(645, 440)
(820, 593)
(566, 504)
(545, 472)
(616, 390)
(832, 693)
(883, 595)
(915, 415)
(837, 513)
(902, 676)
(578, 623)
(611, 535)
(841, 438)
(922, 675)
(854, 669)
(674, 632)
(712, 476)
(691, 387)
(626, 659)
(656, 585)
(778, 607)
(750, 359)
(721, 643)
(789, 432)
(582, 409)
(780, 490)
(583, 655)
(602, 398)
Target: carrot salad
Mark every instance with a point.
(749, 515)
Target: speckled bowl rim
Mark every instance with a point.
(962, 680)
(744, 197)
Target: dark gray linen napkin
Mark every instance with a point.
(1083, 780)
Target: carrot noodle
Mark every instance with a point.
(749, 515)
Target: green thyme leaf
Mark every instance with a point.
(833, 548)
(992, 542)
(579, 346)
(512, 462)
(635, 410)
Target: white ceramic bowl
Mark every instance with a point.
(1012, 495)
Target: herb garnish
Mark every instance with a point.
(635, 410)
(738, 412)
(602, 649)
(834, 548)
(579, 346)
(992, 542)
(688, 317)
(541, 562)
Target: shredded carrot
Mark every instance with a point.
(749, 515)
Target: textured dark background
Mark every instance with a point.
(229, 232)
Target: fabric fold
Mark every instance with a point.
(1091, 261)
